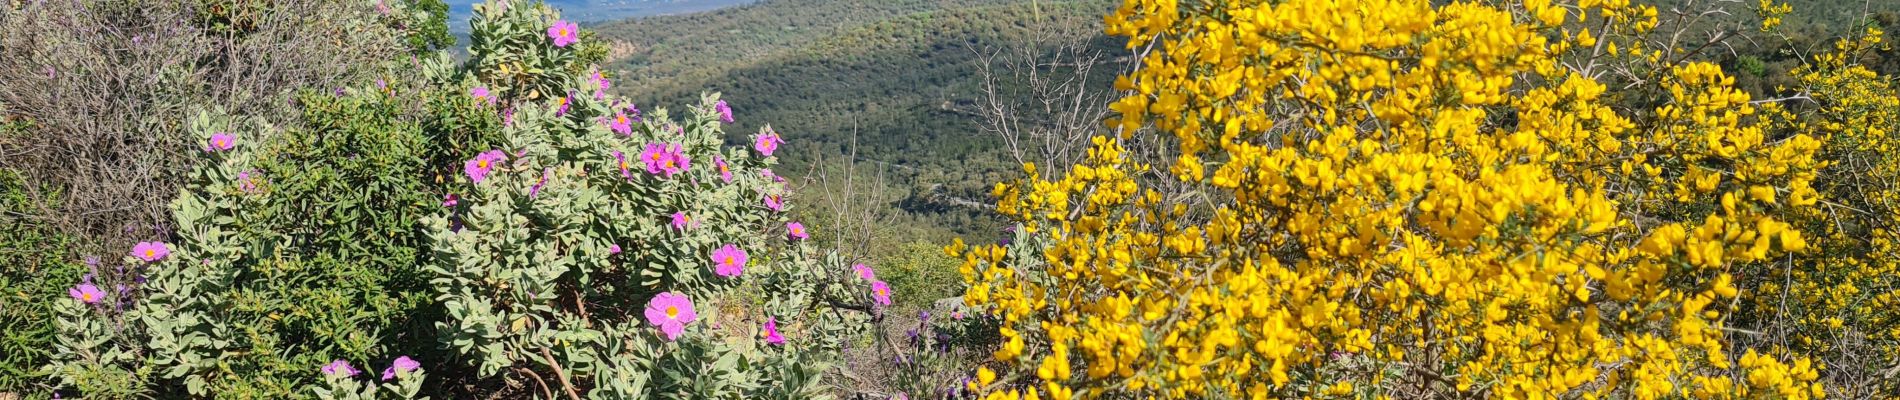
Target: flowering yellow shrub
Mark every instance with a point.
(1843, 303)
(1392, 199)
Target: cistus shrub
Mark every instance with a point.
(604, 251)
(504, 216)
(1405, 199)
(289, 253)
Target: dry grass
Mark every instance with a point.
(104, 87)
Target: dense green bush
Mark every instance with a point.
(38, 268)
(919, 270)
(295, 251)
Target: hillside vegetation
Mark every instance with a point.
(895, 78)
(951, 199)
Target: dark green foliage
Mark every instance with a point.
(458, 126)
(39, 266)
(429, 32)
(919, 272)
(1751, 65)
(333, 247)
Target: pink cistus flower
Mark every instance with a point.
(620, 159)
(601, 84)
(449, 200)
(536, 190)
(220, 142)
(725, 171)
(864, 271)
(478, 168)
(339, 368)
(681, 221)
(402, 364)
(796, 231)
(881, 292)
(771, 332)
(86, 293)
(664, 159)
(729, 261)
(725, 111)
(480, 93)
(671, 312)
(620, 123)
(561, 104)
(767, 142)
(246, 183)
(775, 201)
(150, 251)
(676, 160)
(614, 249)
(564, 33)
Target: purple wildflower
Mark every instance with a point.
(621, 123)
(402, 364)
(150, 251)
(564, 33)
(220, 142)
(621, 159)
(449, 200)
(771, 332)
(340, 367)
(602, 84)
(86, 293)
(563, 103)
(725, 112)
(767, 142)
(796, 231)
(881, 292)
(729, 261)
(246, 183)
(775, 201)
(725, 172)
(676, 160)
(477, 168)
(653, 156)
(671, 312)
(681, 221)
(536, 190)
(480, 93)
(665, 159)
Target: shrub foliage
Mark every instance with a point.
(1419, 199)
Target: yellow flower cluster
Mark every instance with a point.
(1392, 199)
(1843, 301)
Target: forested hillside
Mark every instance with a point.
(898, 76)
